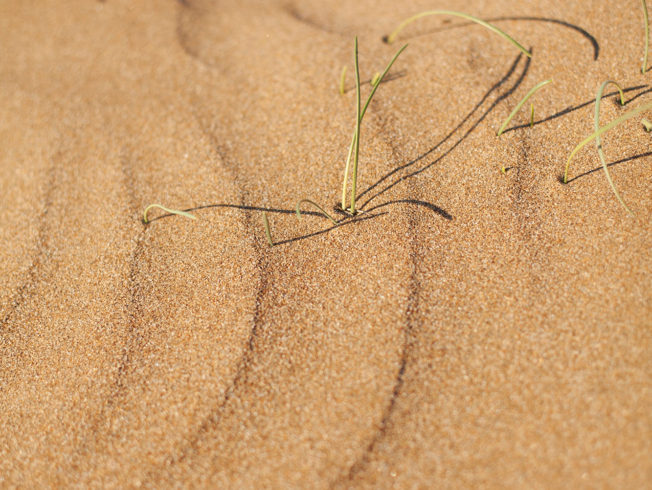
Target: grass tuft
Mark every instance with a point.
(520, 104)
(647, 37)
(167, 210)
(628, 115)
(268, 232)
(392, 37)
(354, 149)
(313, 203)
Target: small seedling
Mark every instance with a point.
(167, 210)
(646, 124)
(531, 115)
(647, 36)
(628, 115)
(342, 80)
(520, 104)
(598, 143)
(268, 232)
(354, 149)
(392, 37)
(375, 78)
(313, 203)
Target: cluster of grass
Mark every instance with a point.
(354, 148)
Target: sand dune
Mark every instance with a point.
(470, 329)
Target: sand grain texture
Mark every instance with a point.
(472, 329)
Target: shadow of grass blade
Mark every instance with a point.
(167, 210)
(598, 143)
(604, 129)
(313, 203)
(392, 37)
(520, 104)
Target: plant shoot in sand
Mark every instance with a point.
(520, 104)
(168, 210)
(598, 143)
(647, 36)
(268, 232)
(392, 37)
(628, 115)
(354, 148)
(518, 107)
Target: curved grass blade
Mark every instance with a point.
(268, 232)
(604, 129)
(531, 115)
(392, 37)
(598, 143)
(167, 210)
(520, 104)
(647, 36)
(313, 203)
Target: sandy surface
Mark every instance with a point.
(473, 329)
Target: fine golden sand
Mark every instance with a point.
(472, 329)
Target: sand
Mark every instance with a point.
(472, 329)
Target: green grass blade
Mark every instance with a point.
(598, 143)
(647, 36)
(604, 129)
(646, 124)
(361, 114)
(531, 115)
(392, 37)
(342, 80)
(167, 210)
(346, 172)
(358, 119)
(268, 232)
(380, 79)
(313, 203)
(520, 104)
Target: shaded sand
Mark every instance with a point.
(473, 329)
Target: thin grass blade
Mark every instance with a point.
(392, 37)
(167, 210)
(598, 143)
(268, 231)
(313, 203)
(604, 129)
(647, 37)
(520, 104)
